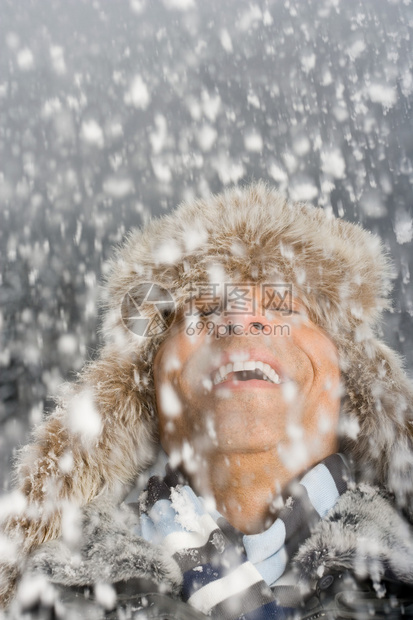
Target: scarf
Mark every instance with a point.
(227, 574)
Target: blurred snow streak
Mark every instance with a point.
(115, 110)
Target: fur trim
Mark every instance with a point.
(363, 534)
(376, 416)
(64, 464)
(108, 553)
(68, 462)
(338, 270)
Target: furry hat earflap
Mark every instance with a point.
(253, 234)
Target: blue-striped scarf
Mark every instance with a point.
(227, 574)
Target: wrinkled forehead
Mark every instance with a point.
(150, 299)
(240, 297)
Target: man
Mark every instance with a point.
(243, 396)
(240, 349)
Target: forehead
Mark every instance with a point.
(239, 295)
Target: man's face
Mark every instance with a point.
(253, 380)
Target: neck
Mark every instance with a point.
(245, 487)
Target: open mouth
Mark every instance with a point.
(245, 371)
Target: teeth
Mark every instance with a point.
(266, 369)
(270, 372)
(275, 377)
(249, 365)
(222, 371)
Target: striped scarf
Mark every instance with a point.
(227, 574)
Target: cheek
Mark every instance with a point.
(328, 371)
(174, 389)
(326, 397)
(323, 357)
(169, 361)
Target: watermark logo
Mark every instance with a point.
(219, 330)
(223, 299)
(148, 310)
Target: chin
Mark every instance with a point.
(242, 448)
(231, 440)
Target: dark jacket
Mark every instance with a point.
(357, 563)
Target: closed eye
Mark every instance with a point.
(207, 312)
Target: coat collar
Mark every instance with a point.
(364, 534)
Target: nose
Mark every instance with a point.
(243, 310)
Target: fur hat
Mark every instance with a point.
(338, 270)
